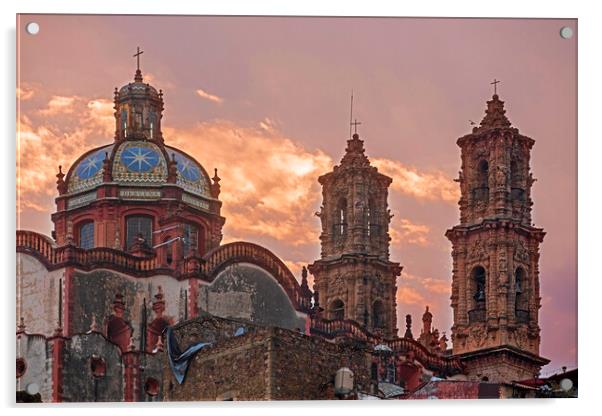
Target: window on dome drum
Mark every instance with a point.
(337, 309)
(190, 239)
(152, 121)
(124, 121)
(139, 224)
(481, 190)
(86, 235)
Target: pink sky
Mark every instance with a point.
(266, 100)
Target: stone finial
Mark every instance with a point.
(443, 343)
(354, 153)
(21, 326)
(172, 169)
(61, 185)
(408, 333)
(427, 319)
(106, 169)
(158, 345)
(215, 186)
(304, 285)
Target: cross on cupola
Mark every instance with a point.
(138, 76)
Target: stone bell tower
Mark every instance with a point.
(495, 283)
(354, 278)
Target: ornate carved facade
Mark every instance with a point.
(495, 285)
(354, 277)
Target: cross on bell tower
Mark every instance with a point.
(494, 83)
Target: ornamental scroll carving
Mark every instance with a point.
(521, 253)
(477, 251)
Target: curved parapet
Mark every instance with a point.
(243, 252)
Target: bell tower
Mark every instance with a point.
(354, 278)
(495, 249)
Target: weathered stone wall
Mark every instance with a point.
(263, 364)
(303, 368)
(79, 384)
(247, 291)
(94, 293)
(499, 368)
(236, 370)
(37, 295)
(33, 349)
(151, 366)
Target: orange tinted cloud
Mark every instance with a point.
(430, 186)
(24, 92)
(403, 231)
(59, 104)
(204, 94)
(269, 182)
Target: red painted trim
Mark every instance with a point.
(57, 369)
(68, 301)
(131, 376)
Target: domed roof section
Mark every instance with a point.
(138, 157)
(191, 174)
(87, 171)
(139, 163)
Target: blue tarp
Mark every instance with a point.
(179, 361)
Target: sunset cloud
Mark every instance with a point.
(404, 231)
(269, 182)
(24, 93)
(430, 186)
(59, 104)
(204, 94)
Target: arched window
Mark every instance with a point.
(190, 238)
(139, 224)
(340, 223)
(516, 176)
(478, 277)
(152, 123)
(85, 235)
(378, 314)
(337, 309)
(124, 122)
(521, 300)
(481, 190)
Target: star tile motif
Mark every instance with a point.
(139, 159)
(90, 165)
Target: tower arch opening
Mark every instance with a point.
(481, 190)
(521, 296)
(478, 282)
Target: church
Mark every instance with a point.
(134, 272)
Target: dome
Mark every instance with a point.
(137, 163)
(138, 156)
